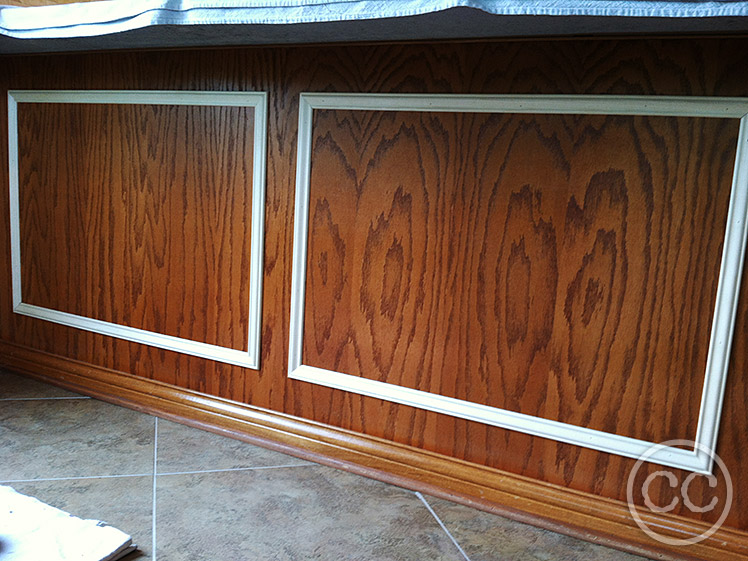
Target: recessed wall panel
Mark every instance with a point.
(546, 264)
(140, 215)
(553, 264)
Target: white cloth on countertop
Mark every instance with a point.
(85, 19)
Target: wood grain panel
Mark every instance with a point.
(709, 67)
(139, 215)
(544, 264)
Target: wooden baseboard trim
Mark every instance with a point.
(549, 506)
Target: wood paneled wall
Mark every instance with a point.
(619, 256)
(139, 215)
(561, 266)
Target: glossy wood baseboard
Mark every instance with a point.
(549, 506)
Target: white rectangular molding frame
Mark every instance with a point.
(249, 358)
(699, 459)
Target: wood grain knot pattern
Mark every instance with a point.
(562, 266)
(139, 215)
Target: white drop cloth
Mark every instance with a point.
(33, 531)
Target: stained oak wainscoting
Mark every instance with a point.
(493, 271)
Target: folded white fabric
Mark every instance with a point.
(33, 531)
(87, 19)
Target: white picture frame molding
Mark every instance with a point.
(723, 321)
(249, 358)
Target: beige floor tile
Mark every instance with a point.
(487, 537)
(123, 502)
(182, 448)
(73, 438)
(14, 386)
(300, 513)
(307, 512)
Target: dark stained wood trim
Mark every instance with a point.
(549, 506)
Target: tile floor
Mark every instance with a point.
(185, 494)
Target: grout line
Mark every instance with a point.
(40, 398)
(75, 478)
(155, 471)
(236, 469)
(451, 537)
